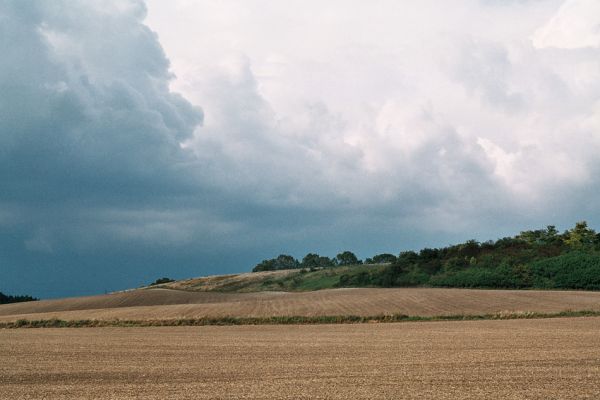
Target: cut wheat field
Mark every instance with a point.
(516, 359)
(164, 304)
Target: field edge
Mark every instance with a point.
(289, 320)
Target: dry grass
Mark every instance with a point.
(245, 282)
(519, 359)
(163, 304)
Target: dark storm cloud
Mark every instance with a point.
(85, 104)
(89, 131)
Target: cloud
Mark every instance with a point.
(575, 25)
(361, 110)
(375, 127)
(86, 104)
(88, 123)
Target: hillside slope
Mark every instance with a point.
(148, 304)
(539, 259)
(289, 280)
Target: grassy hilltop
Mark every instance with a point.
(538, 259)
(291, 280)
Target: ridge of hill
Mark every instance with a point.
(289, 280)
(536, 259)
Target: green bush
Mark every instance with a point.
(362, 278)
(501, 277)
(542, 258)
(575, 270)
(414, 277)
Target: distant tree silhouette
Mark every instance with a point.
(5, 299)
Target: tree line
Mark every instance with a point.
(543, 258)
(5, 299)
(309, 261)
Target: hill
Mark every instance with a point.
(282, 280)
(537, 259)
(412, 283)
(169, 304)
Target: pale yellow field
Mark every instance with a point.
(170, 304)
(516, 359)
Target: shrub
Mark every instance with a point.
(575, 270)
(501, 277)
(383, 258)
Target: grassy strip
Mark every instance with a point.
(292, 320)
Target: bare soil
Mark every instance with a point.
(517, 359)
(163, 304)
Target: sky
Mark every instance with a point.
(193, 137)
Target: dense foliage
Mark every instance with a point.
(542, 258)
(5, 299)
(310, 261)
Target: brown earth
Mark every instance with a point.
(517, 359)
(147, 304)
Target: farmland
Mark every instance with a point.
(161, 304)
(517, 359)
(521, 358)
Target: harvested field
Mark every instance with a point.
(161, 304)
(518, 359)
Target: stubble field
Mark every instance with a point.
(515, 359)
(166, 304)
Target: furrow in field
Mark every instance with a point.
(170, 304)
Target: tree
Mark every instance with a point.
(347, 258)
(313, 260)
(407, 258)
(550, 235)
(384, 258)
(540, 236)
(531, 237)
(326, 262)
(5, 299)
(265, 265)
(284, 261)
(162, 280)
(580, 236)
(469, 249)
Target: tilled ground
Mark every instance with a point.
(516, 359)
(161, 304)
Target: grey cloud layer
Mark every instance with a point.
(85, 102)
(89, 125)
(469, 112)
(352, 128)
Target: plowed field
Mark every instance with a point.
(517, 359)
(170, 304)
